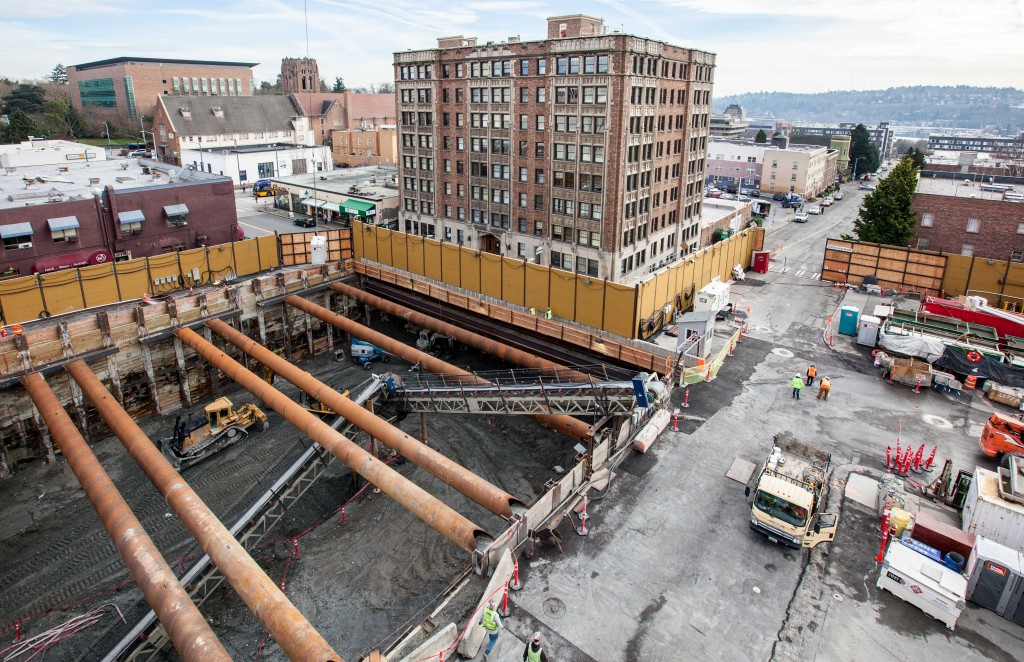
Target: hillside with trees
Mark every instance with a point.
(993, 108)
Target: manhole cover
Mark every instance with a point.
(837, 597)
(937, 421)
(783, 352)
(554, 607)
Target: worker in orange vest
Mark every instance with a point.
(824, 387)
(812, 372)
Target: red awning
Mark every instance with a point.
(52, 263)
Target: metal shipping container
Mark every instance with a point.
(987, 514)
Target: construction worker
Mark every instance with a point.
(533, 652)
(824, 386)
(533, 311)
(547, 313)
(798, 385)
(492, 623)
(812, 372)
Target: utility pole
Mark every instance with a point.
(106, 130)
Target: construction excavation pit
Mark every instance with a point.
(297, 466)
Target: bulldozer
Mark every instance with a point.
(194, 441)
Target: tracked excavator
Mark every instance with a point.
(194, 441)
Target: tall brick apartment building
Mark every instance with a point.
(964, 219)
(584, 151)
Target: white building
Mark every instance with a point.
(38, 152)
(250, 163)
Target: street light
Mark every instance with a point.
(106, 130)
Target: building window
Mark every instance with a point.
(1017, 256)
(542, 66)
(967, 249)
(98, 92)
(973, 225)
(922, 244)
(265, 170)
(928, 220)
(129, 95)
(541, 94)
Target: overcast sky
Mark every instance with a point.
(775, 45)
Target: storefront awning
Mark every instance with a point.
(176, 210)
(318, 204)
(53, 263)
(134, 216)
(15, 230)
(359, 208)
(63, 223)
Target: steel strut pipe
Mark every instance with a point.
(286, 624)
(464, 336)
(187, 629)
(559, 422)
(428, 508)
(476, 488)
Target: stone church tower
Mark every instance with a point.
(299, 74)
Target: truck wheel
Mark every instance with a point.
(367, 366)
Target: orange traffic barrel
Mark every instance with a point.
(971, 382)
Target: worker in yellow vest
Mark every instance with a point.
(824, 387)
(492, 623)
(547, 313)
(533, 311)
(534, 652)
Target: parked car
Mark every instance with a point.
(814, 209)
(865, 187)
(139, 152)
(713, 193)
(744, 198)
(838, 195)
(305, 221)
(779, 197)
(729, 196)
(827, 202)
(800, 218)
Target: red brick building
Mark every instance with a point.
(329, 111)
(954, 217)
(585, 150)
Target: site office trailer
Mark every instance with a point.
(987, 514)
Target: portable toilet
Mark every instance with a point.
(995, 577)
(848, 320)
(867, 333)
(761, 261)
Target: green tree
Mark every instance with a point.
(886, 217)
(26, 98)
(761, 137)
(916, 156)
(19, 128)
(63, 119)
(59, 75)
(339, 85)
(862, 148)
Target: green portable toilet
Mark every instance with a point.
(848, 316)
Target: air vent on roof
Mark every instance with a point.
(217, 112)
(186, 113)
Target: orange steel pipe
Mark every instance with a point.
(286, 624)
(187, 629)
(559, 422)
(476, 488)
(428, 508)
(466, 337)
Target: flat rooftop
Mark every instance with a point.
(43, 184)
(957, 189)
(371, 180)
(159, 60)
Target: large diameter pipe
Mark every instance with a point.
(283, 621)
(187, 629)
(464, 336)
(476, 488)
(559, 422)
(428, 508)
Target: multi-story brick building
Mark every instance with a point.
(961, 217)
(372, 146)
(584, 150)
(128, 87)
(328, 111)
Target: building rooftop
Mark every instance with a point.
(159, 60)
(212, 116)
(358, 105)
(45, 184)
(372, 182)
(957, 189)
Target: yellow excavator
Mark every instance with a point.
(224, 426)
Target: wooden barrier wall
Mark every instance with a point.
(626, 310)
(928, 272)
(43, 295)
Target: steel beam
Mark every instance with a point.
(187, 629)
(428, 508)
(464, 336)
(476, 488)
(565, 424)
(290, 629)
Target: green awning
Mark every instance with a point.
(358, 208)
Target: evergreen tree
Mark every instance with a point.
(20, 127)
(862, 148)
(26, 98)
(886, 217)
(59, 75)
(761, 137)
(917, 157)
(63, 119)
(339, 85)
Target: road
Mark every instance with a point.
(256, 221)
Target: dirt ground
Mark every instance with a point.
(361, 584)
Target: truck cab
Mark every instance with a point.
(790, 494)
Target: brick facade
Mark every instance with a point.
(373, 147)
(1000, 226)
(146, 79)
(653, 100)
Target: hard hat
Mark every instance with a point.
(536, 636)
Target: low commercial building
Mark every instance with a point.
(39, 152)
(245, 165)
(374, 146)
(57, 216)
(367, 194)
(806, 170)
(961, 217)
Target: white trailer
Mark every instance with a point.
(988, 514)
(928, 585)
(713, 297)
